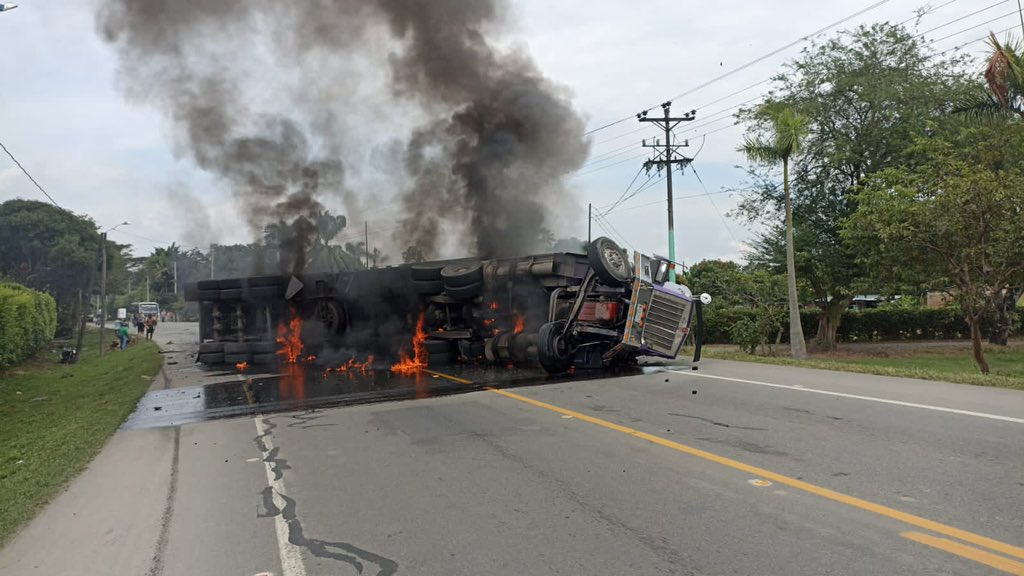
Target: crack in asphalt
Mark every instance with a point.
(304, 420)
(717, 423)
(339, 551)
(157, 566)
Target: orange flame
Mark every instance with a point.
(242, 366)
(520, 324)
(488, 321)
(289, 338)
(494, 305)
(406, 365)
(352, 366)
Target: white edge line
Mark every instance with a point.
(291, 558)
(856, 397)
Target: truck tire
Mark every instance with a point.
(464, 293)
(263, 292)
(263, 347)
(215, 284)
(262, 281)
(609, 262)
(437, 347)
(211, 359)
(264, 359)
(428, 287)
(231, 294)
(553, 350)
(236, 348)
(443, 359)
(231, 359)
(425, 271)
(209, 295)
(211, 347)
(462, 274)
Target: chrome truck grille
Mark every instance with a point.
(665, 315)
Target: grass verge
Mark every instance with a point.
(951, 365)
(54, 418)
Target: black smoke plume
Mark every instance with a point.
(495, 142)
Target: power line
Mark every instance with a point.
(713, 205)
(757, 60)
(45, 193)
(631, 182)
(1014, 13)
(964, 17)
(756, 84)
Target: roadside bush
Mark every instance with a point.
(28, 321)
(733, 325)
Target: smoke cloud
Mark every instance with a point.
(491, 138)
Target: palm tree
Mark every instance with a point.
(786, 131)
(1004, 78)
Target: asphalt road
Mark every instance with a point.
(735, 469)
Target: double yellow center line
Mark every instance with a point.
(983, 556)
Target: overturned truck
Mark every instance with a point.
(562, 310)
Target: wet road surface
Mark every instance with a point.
(306, 387)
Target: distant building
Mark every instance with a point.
(938, 299)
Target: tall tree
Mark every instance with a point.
(51, 250)
(783, 131)
(867, 93)
(954, 211)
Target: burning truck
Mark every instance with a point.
(563, 311)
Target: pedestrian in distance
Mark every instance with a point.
(140, 324)
(122, 333)
(150, 326)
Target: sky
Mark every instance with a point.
(65, 118)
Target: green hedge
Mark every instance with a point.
(872, 325)
(28, 321)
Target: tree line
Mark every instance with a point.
(877, 165)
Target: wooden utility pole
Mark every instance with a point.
(665, 158)
(366, 242)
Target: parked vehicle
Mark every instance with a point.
(561, 310)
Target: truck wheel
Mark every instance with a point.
(211, 359)
(462, 274)
(464, 293)
(263, 347)
(262, 281)
(264, 359)
(231, 294)
(263, 292)
(235, 358)
(236, 348)
(443, 359)
(211, 347)
(428, 287)
(609, 262)
(335, 321)
(426, 272)
(209, 295)
(552, 349)
(437, 347)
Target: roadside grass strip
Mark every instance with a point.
(54, 418)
